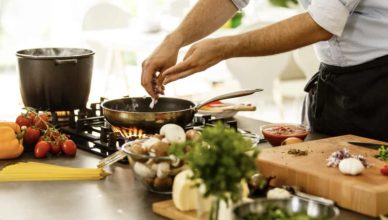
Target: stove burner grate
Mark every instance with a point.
(92, 133)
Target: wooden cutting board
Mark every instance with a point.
(167, 209)
(366, 193)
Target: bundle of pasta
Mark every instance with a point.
(32, 171)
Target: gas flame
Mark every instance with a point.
(129, 133)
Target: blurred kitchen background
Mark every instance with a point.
(124, 32)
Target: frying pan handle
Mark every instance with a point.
(227, 96)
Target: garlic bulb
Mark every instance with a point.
(351, 166)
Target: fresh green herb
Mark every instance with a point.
(382, 154)
(221, 158)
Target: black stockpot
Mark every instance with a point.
(55, 79)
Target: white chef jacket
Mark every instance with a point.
(359, 28)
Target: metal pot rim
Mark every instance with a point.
(28, 53)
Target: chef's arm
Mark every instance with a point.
(292, 33)
(289, 34)
(204, 18)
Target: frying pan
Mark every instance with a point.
(135, 111)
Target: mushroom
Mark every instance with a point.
(175, 161)
(177, 170)
(151, 164)
(148, 181)
(165, 140)
(159, 149)
(192, 135)
(149, 142)
(163, 170)
(138, 149)
(163, 183)
(173, 133)
(143, 171)
(158, 136)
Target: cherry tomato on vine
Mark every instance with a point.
(23, 120)
(69, 148)
(40, 121)
(41, 149)
(31, 136)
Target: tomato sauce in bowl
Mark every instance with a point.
(275, 134)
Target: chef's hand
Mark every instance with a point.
(161, 59)
(200, 56)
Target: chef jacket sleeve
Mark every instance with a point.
(332, 15)
(240, 4)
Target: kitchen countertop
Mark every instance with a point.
(119, 196)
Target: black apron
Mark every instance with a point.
(350, 100)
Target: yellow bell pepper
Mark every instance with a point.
(10, 146)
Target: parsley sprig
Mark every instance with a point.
(382, 153)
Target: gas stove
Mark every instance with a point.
(92, 133)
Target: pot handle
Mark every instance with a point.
(227, 96)
(59, 62)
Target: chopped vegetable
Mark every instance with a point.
(335, 158)
(382, 153)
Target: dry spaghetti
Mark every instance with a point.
(32, 171)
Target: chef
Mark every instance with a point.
(349, 94)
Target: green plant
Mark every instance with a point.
(221, 158)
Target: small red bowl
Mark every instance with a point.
(275, 134)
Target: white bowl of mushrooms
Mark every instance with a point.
(150, 159)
